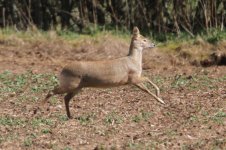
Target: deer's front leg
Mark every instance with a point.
(145, 89)
(145, 79)
(138, 81)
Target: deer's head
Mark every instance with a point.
(140, 41)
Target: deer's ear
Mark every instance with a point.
(136, 31)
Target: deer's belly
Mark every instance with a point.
(105, 81)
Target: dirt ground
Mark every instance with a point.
(194, 116)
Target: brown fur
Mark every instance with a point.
(105, 73)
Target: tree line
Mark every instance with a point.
(161, 16)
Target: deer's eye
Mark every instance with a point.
(145, 40)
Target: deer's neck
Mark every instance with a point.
(135, 53)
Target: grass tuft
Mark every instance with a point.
(113, 118)
(86, 119)
(219, 117)
(142, 116)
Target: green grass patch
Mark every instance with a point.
(1, 139)
(219, 117)
(214, 36)
(142, 116)
(171, 132)
(196, 82)
(61, 117)
(86, 119)
(28, 142)
(135, 145)
(11, 121)
(193, 118)
(181, 81)
(43, 82)
(113, 118)
(36, 122)
(67, 148)
(19, 83)
(13, 83)
(46, 131)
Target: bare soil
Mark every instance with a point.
(114, 118)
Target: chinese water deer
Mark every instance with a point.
(106, 73)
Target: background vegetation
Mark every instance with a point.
(161, 16)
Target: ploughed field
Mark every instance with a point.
(194, 116)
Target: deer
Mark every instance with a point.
(106, 73)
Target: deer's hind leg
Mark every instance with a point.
(67, 99)
(73, 88)
(57, 90)
(66, 86)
